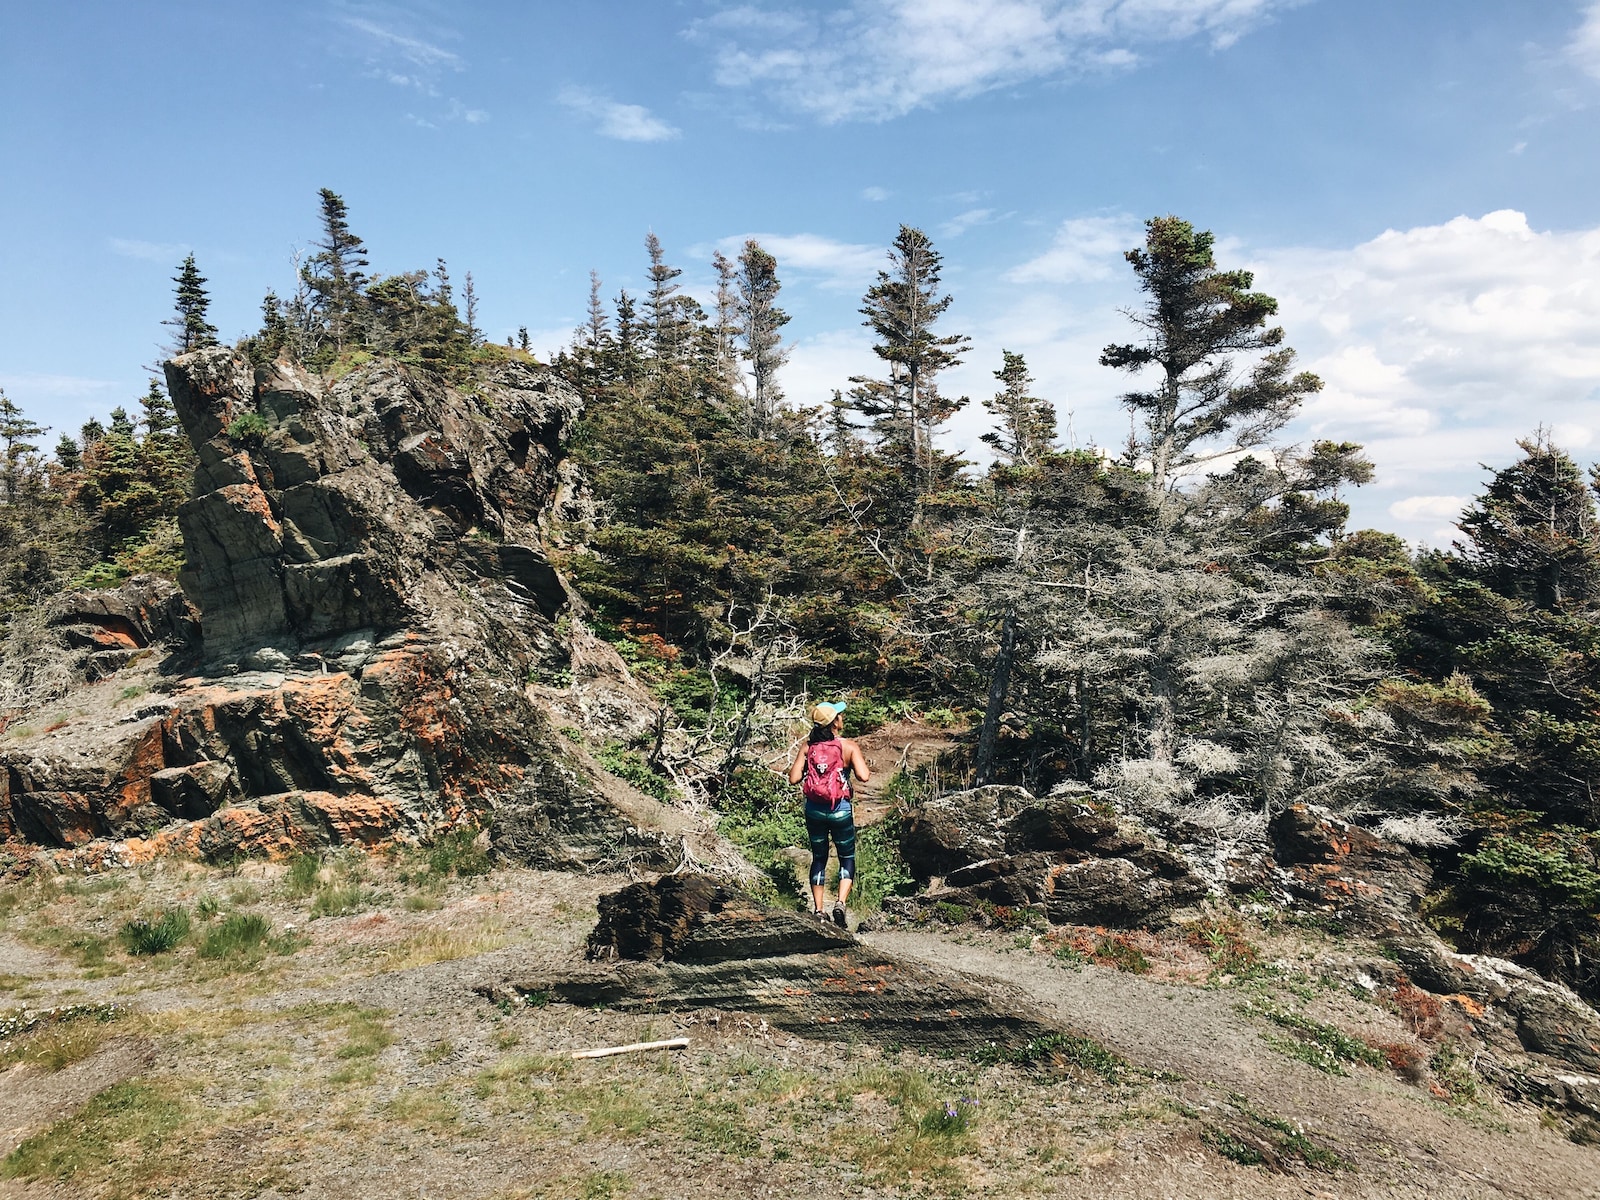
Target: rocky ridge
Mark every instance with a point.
(365, 599)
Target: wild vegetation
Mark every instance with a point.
(1185, 624)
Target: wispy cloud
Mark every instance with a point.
(875, 194)
(404, 50)
(163, 252)
(878, 59)
(837, 264)
(421, 54)
(961, 222)
(1585, 44)
(625, 122)
(1084, 249)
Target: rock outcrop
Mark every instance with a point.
(694, 942)
(1001, 846)
(365, 597)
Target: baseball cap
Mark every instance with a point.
(823, 714)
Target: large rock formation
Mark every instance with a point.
(1000, 846)
(366, 566)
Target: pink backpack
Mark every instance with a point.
(824, 781)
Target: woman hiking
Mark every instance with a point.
(823, 768)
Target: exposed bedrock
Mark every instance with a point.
(365, 597)
(1002, 846)
(691, 941)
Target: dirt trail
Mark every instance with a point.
(1201, 1036)
(901, 745)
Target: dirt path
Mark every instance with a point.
(1201, 1036)
(906, 745)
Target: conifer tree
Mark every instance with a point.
(1027, 424)
(902, 309)
(1199, 320)
(336, 275)
(91, 432)
(69, 456)
(469, 298)
(192, 330)
(760, 325)
(662, 320)
(121, 423)
(1533, 534)
(17, 432)
(160, 419)
(726, 331)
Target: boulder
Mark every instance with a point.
(1001, 846)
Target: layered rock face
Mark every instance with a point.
(692, 941)
(366, 569)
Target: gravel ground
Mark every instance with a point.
(350, 1057)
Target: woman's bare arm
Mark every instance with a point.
(797, 769)
(858, 763)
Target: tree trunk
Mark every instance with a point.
(999, 685)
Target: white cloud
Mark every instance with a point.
(959, 224)
(839, 264)
(164, 252)
(421, 54)
(1421, 508)
(1585, 44)
(875, 193)
(1085, 248)
(878, 59)
(625, 122)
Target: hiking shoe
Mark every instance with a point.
(820, 917)
(838, 915)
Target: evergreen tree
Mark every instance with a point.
(160, 419)
(17, 432)
(760, 325)
(121, 423)
(726, 328)
(469, 298)
(663, 323)
(1533, 534)
(1027, 424)
(193, 331)
(69, 455)
(91, 432)
(906, 409)
(1198, 321)
(336, 275)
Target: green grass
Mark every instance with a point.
(127, 1115)
(629, 765)
(1059, 1049)
(458, 853)
(244, 938)
(141, 937)
(1323, 1046)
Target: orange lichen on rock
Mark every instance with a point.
(355, 820)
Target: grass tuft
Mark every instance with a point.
(141, 937)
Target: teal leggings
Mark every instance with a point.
(839, 824)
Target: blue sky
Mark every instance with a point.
(1419, 183)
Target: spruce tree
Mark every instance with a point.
(1533, 534)
(17, 432)
(662, 320)
(1027, 424)
(160, 419)
(69, 455)
(336, 275)
(193, 331)
(902, 309)
(1199, 320)
(760, 324)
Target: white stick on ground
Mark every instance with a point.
(681, 1043)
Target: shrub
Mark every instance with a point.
(250, 428)
(629, 765)
(458, 853)
(951, 1119)
(146, 937)
(304, 877)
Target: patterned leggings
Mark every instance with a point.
(840, 825)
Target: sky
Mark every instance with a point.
(1418, 184)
